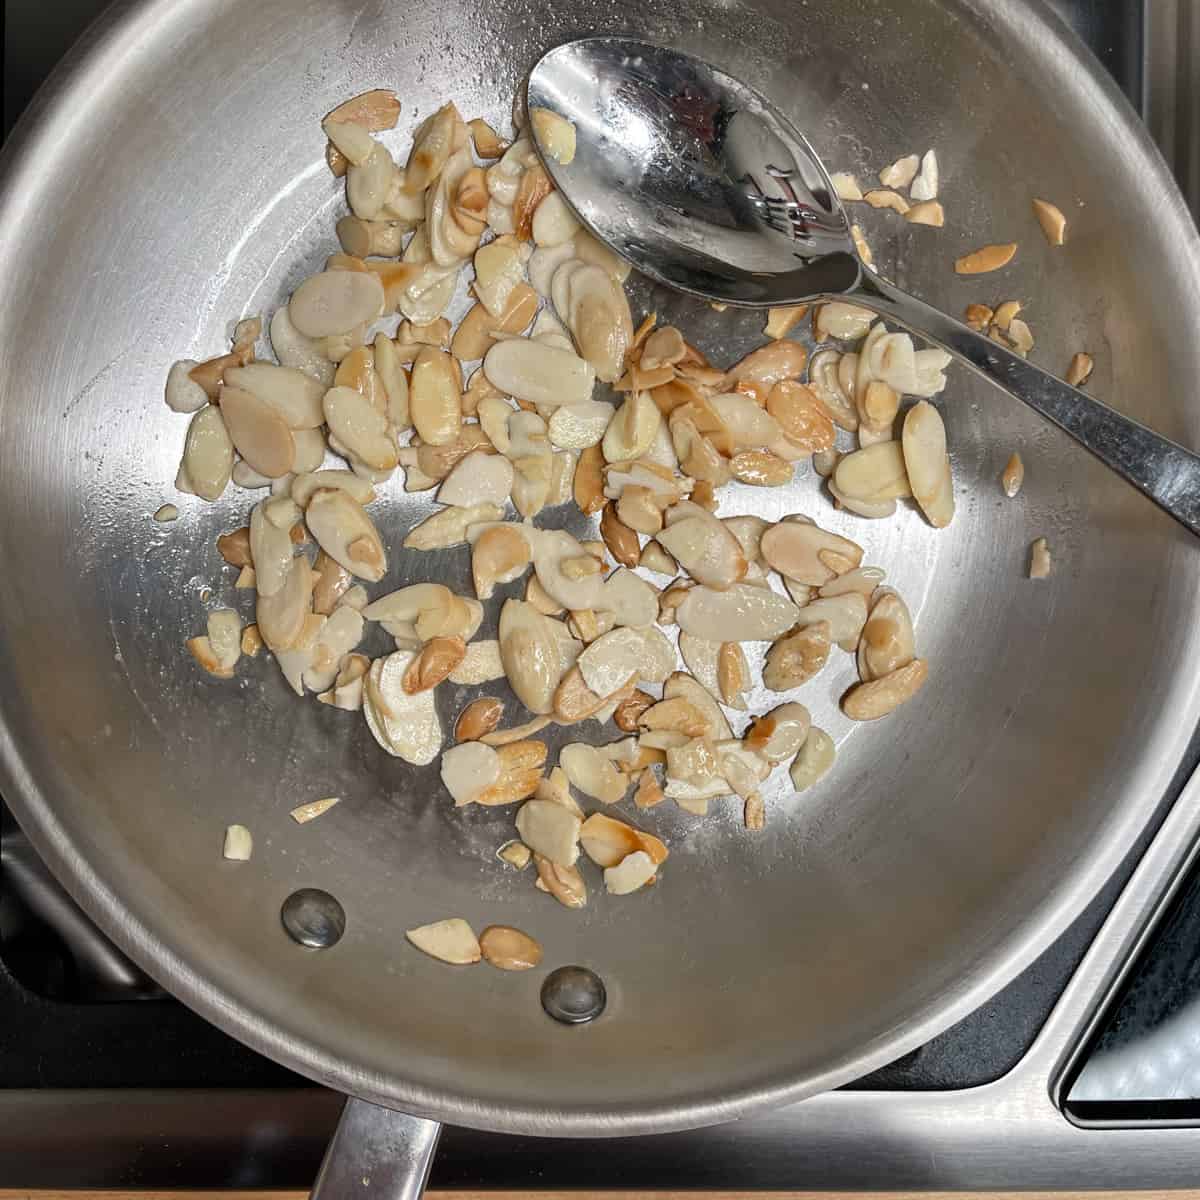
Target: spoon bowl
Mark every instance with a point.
(703, 185)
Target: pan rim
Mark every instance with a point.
(116, 33)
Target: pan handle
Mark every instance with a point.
(377, 1154)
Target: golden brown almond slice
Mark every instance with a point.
(234, 547)
(802, 415)
(769, 364)
(622, 542)
(521, 766)
(781, 321)
(1013, 475)
(203, 651)
(978, 316)
(796, 658)
(575, 701)
(437, 658)
(500, 555)
(676, 715)
(649, 793)
(760, 468)
(375, 110)
(474, 336)
(488, 143)
(886, 198)
(927, 212)
(733, 674)
(871, 701)
(1050, 218)
(534, 187)
(252, 641)
(986, 258)
(629, 712)
(565, 884)
(435, 396)
(606, 841)
(1080, 370)
(509, 949)
(432, 145)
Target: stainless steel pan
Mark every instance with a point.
(172, 180)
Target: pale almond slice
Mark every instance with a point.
(201, 649)
(900, 173)
(293, 349)
(927, 212)
(225, 637)
(871, 701)
(553, 221)
(675, 715)
(270, 550)
(516, 854)
(1013, 475)
(611, 661)
(1080, 369)
(1053, 223)
(1039, 559)
(633, 429)
(769, 364)
(516, 733)
(500, 555)
(166, 513)
(305, 485)
(887, 642)
(281, 616)
(499, 272)
(333, 582)
(184, 394)
(695, 764)
(871, 509)
(449, 527)
(796, 658)
(925, 186)
(743, 612)
(238, 844)
(802, 552)
(845, 614)
(874, 473)
(479, 478)
(781, 321)
(846, 186)
(534, 186)
(843, 321)
(304, 813)
(335, 302)
(780, 733)
(701, 657)
(633, 872)
(341, 527)
(451, 941)
(469, 769)
(482, 664)
(814, 759)
(207, 455)
(406, 726)
(578, 426)
(550, 830)
(658, 655)
(539, 373)
(607, 841)
(928, 464)
(258, 432)
(575, 701)
(886, 198)
(408, 603)
(863, 580)
(593, 772)
(681, 686)
(748, 424)
(555, 134)
(598, 317)
(530, 652)
(703, 547)
(987, 258)
(630, 599)
(360, 427)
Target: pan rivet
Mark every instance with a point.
(313, 918)
(573, 995)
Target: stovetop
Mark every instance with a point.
(158, 1097)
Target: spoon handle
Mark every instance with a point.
(1163, 470)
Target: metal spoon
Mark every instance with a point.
(705, 186)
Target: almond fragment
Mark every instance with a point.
(500, 555)
(565, 884)
(886, 643)
(633, 872)
(1013, 475)
(515, 853)
(435, 396)
(629, 712)
(521, 764)
(207, 456)
(341, 527)
(886, 198)
(900, 173)
(234, 547)
(649, 792)
(1053, 223)
(622, 542)
(593, 773)
(451, 941)
(1039, 559)
(1080, 370)
(550, 830)
(437, 658)
(733, 674)
(978, 317)
(258, 432)
(606, 841)
(488, 143)
(781, 321)
(760, 468)
(202, 650)
(509, 948)
(845, 185)
(676, 715)
(814, 759)
(927, 212)
(871, 701)
(987, 258)
(780, 733)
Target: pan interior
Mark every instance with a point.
(178, 183)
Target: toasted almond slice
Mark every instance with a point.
(234, 548)
(437, 658)
(541, 374)
(795, 549)
(593, 772)
(795, 659)
(886, 198)
(886, 643)
(435, 396)
(629, 711)
(1013, 475)
(769, 364)
(846, 186)
(360, 427)
(928, 464)
(478, 478)
(450, 941)
(681, 686)
(532, 189)
(901, 173)
(432, 145)
(575, 701)
(305, 486)
(925, 185)
(860, 244)
(622, 542)
(676, 715)
(565, 884)
(550, 831)
(184, 394)
(341, 527)
(870, 701)
(406, 726)
(488, 143)
(632, 873)
(607, 841)
(1053, 223)
(781, 321)
(509, 949)
(479, 717)
(632, 430)
(203, 651)
(281, 616)
(500, 555)
(374, 110)
(225, 637)
(481, 665)
(978, 316)
(814, 759)
(760, 468)
(304, 813)
(1080, 370)
(468, 770)
(611, 661)
(927, 212)
(475, 335)
(515, 853)
(840, 320)
(1039, 559)
(987, 258)
(780, 733)
(845, 615)
(553, 221)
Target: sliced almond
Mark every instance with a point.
(203, 651)
(432, 144)
(435, 396)
(575, 701)
(845, 185)
(281, 616)
(550, 831)
(987, 258)
(813, 761)
(607, 841)
(874, 473)
(482, 664)
(1053, 223)
(802, 415)
(479, 717)
(341, 527)
(488, 143)
(845, 614)
(593, 772)
(840, 320)
(450, 941)
(541, 374)
(335, 302)
(500, 555)
(533, 188)
(801, 552)
(632, 430)
(901, 173)
(436, 659)
(1039, 559)
(760, 468)
(258, 432)
(360, 427)
(468, 770)
(633, 872)
(781, 321)
(795, 659)
(703, 546)
(529, 650)
(748, 612)
(1080, 369)
(509, 949)
(555, 134)
(1013, 475)
(928, 464)
(565, 884)
(630, 710)
(780, 733)
(886, 198)
(622, 542)
(474, 336)
(681, 686)
(978, 316)
(611, 661)
(676, 715)
(769, 364)
(449, 527)
(238, 844)
(927, 212)
(870, 701)
(207, 455)
(886, 643)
